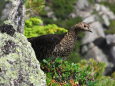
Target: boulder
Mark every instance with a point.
(18, 63)
(113, 54)
(105, 12)
(92, 51)
(82, 4)
(110, 39)
(111, 42)
(83, 8)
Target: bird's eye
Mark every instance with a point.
(85, 26)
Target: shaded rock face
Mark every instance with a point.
(10, 31)
(113, 53)
(18, 64)
(110, 39)
(93, 51)
(111, 42)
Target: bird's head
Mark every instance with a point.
(82, 27)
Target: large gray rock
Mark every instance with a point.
(110, 39)
(111, 42)
(92, 51)
(83, 8)
(82, 4)
(18, 63)
(90, 19)
(113, 54)
(105, 12)
(12, 12)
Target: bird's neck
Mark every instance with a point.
(69, 38)
(71, 34)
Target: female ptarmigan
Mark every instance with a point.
(57, 45)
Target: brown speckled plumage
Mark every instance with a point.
(57, 45)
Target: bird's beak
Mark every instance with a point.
(90, 30)
(89, 27)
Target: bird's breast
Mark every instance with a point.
(64, 48)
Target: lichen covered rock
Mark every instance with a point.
(18, 64)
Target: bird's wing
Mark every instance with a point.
(45, 44)
(50, 39)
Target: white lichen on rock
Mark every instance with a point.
(19, 67)
(18, 63)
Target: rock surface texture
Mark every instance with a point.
(18, 64)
